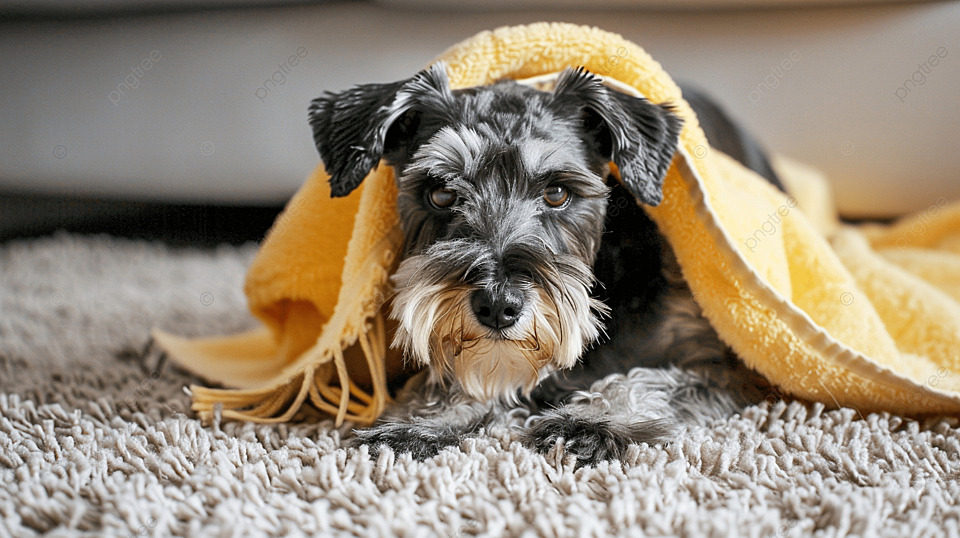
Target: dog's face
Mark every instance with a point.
(502, 195)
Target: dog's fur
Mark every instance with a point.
(530, 275)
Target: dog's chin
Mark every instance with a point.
(493, 368)
(438, 329)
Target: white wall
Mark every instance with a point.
(196, 129)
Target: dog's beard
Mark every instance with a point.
(437, 328)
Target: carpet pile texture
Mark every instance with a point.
(96, 441)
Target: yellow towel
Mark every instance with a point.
(867, 318)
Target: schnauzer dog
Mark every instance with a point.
(530, 278)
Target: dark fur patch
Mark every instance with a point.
(593, 436)
(421, 439)
(426, 420)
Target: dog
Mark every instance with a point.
(530, 280)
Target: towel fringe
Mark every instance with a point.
(261, 405)
(315, 382)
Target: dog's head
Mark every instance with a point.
(502, 195)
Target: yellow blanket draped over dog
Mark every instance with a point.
(863, 317)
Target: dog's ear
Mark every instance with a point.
(355, 128)
(637, 135)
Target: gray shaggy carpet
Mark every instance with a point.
(93, 442)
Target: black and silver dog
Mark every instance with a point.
(529, 274)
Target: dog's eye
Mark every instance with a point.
(555, 195)
(442, 197)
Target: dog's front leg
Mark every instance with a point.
(427, 418)
(600, 423)
(647, 405)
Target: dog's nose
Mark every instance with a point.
(497, 310)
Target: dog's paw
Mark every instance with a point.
(419, 441)
(592, 439)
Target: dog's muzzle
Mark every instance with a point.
(491, 338)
